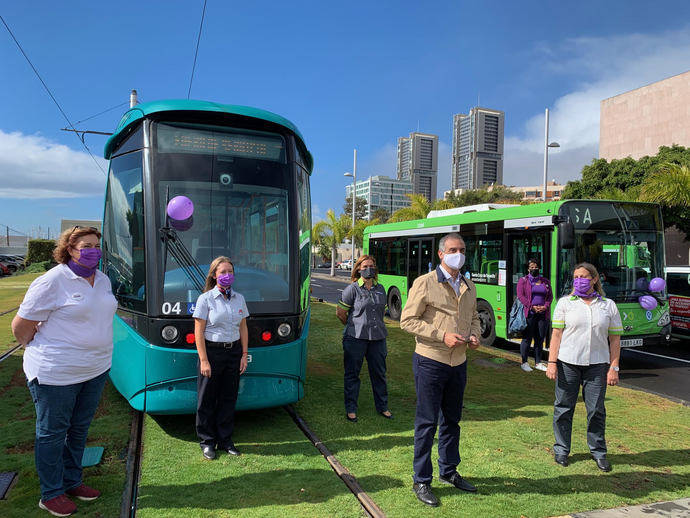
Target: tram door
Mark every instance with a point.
(533, 244)
(420, 253)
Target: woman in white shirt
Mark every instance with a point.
(585, 351)
(66, 324)
(222, 341)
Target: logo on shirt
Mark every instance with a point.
(77, 296)
(240, 311)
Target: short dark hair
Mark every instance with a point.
(533, 260)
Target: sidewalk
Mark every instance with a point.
(327, 277)
(675, 509)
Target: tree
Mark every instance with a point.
(360, 207)
(629, 179)
(668, 185)
(358, 232)
(497, 194)
(380, 214)
(419, 208)
(331, 232)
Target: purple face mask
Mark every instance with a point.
(582, 286)
(89, 257)
(225, 280)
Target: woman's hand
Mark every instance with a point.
(205, 368)
(243, 363)
(551, 371)
(612, 377)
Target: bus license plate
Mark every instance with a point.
(635, 342)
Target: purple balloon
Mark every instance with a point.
(642, 283)
(657, 284)
(180, 208)
(182, 224)
(647, 302)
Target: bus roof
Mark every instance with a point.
(170, 105)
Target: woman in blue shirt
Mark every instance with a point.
(222, 341)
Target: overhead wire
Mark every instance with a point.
(101, 113)
(50, 93)
(196, 52)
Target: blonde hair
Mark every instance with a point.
(68, 239)
(355, 268)
(210, 279)
(594, 273)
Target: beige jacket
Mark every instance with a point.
(432, 309)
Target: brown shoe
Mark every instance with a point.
(58, 506)
(84, 492)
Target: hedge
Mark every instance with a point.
(40, 250)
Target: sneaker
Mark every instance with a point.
(84, 492)
(58, 506)
(525, 367)
(540, 366)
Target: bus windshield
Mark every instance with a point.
(623, 240)
(239, 182)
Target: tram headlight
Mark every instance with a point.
(664, 320)
(170, 333)
(225, 179)
(284, 330)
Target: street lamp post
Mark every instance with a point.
(546, 148)
(354, 199)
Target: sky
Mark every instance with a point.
(354, 75)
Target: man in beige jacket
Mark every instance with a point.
(441, 311)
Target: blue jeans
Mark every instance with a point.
(354, 352)
(63, 416)
(440, 389)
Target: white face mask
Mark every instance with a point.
(454, 261)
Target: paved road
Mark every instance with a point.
(326, 288)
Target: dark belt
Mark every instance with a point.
(224, 345)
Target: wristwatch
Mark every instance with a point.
(616, 369)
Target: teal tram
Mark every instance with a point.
(245, 172)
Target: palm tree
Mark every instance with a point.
(419, 208)
(358, 232)
(332, 231)
(614, 193)
(668, 185)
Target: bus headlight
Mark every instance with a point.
(170, 333)
(284, 330)
(665, 319)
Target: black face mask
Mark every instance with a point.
(368, 273)
(534, 272)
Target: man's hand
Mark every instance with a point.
(612, 377)
(453, 339)
(551, 371)
(473, 342)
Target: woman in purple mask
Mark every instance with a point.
(585, 351)
(222, 341)
(534, 291)
(66, 324)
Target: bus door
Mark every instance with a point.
(420, 255)
(521, 247)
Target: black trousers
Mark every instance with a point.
(217, 395)
(536, 329)
(354, 352)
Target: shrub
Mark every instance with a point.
(40, 250)
(39, 267)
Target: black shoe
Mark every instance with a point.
(456, 480)
(424, 494)
(603, 464)
(389, 416)
(208, 451)
(561, 459)
(232, 450)
(351, 419)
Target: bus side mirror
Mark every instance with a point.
(566, 235)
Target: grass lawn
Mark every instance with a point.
(506, 437)
(110, 429)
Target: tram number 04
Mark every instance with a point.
(168, 308)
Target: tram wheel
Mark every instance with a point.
(488, 322)
(394, 303)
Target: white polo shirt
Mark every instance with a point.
(222, 315)
(586, 328)
(74, 341)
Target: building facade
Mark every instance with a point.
(477, 148)
(382, 192)
(638, 122)
(418, 163)
(530, 193)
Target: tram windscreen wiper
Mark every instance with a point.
(177, 249)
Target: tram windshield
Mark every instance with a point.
(239, 182)
(623, 240)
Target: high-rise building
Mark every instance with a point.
(382, 192)
(477, 149)
(418, 162)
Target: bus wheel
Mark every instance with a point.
(394, 303)
(488, 322)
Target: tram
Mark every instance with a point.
(244, 174)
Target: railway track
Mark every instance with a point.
(131, 492)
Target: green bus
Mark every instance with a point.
(625, 240)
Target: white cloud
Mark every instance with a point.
(34, 167)
(602, 67)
